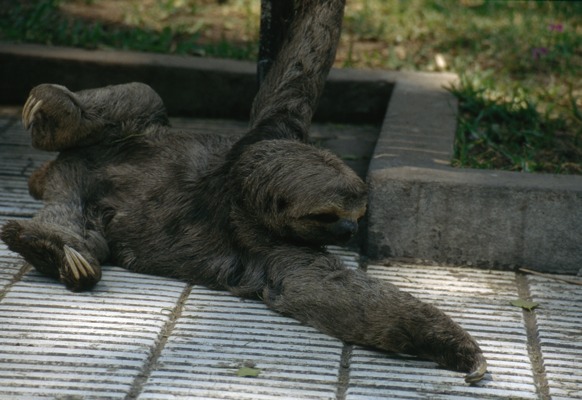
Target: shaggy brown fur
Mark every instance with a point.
(250, 215)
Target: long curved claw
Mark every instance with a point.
(78, 265)
(26, 109)
(33, 113)
(478, 373)
(28, 112)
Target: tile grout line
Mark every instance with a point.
(142, 378)
(533, 342)
(15, 279)
(343, 379)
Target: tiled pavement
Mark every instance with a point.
(138, 336)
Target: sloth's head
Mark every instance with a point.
(298, 192)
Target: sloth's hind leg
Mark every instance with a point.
(60, 119)
(60, 241)
(57, 245)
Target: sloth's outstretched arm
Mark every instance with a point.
(357, 308)
(60, 119)
(287, 99)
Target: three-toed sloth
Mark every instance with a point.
(249, 214)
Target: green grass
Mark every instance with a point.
(501, 133)
(45, 22)
(520, 64)
(520, 90)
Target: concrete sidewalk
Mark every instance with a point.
(144, 337)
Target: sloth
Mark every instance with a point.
(250, 214)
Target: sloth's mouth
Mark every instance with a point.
(345, 237)
(344, 228)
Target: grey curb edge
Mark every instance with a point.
(421, 207)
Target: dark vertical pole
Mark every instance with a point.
(276, 16)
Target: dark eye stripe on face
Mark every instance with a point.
(323, 217)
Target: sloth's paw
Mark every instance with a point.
(463, 355)
(442, 340)
(52, 254)
(477, 370)
(53, 116)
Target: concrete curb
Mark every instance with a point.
(419, 206)
(190, 86)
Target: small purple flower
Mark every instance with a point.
(556, 27)
(539, 52)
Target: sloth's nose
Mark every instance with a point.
(345, 228)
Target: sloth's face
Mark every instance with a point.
(324, 208)
(300, 193)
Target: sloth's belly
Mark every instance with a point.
(154, 206)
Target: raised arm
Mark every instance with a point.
(289, 95)
(60, 119)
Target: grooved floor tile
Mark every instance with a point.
(217, 334)
(89, 345)
(10, 265)
(479, 301)
(559, 319)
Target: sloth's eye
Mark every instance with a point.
(282, 204)
(326, 218)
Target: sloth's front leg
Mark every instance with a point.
(57, 246)
(357, 308)
(60, 119)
